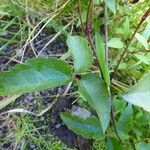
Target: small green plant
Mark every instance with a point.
(91, 73)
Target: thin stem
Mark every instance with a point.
(113, 116)
(126, 48)
(89, 17)
(106, 35)
(89, 25)
(114, 124)
(91, 43)
(109, 90)
(80, 16)
(94, 50)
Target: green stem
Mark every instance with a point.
(109, 89)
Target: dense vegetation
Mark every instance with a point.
(104, 67)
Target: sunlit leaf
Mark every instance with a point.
(111, 5)
(142, 40)
(142, 58)
(139, 94)
(146, 32)
(126, 27)
(115, 43)
(82, 54)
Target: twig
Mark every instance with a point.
(125, 50)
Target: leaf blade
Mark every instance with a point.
(142, 40)
(100, 52)
(94, 90)
(37, 74)
(125, 122)
(89, 128)
(139, 94)
(82, 54)
(111, 5)
(142, 146)
(115, 43)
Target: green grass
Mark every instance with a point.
(25, 133)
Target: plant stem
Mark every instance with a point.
(80, 16)
(113, 117)
(109, 90)
(106, 34)
(88, 29)
(89, 17)
(126, 48)
(114, 123)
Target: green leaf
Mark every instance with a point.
(142, 146)
(146, 32)
(96, 2)
(37, 74)
(125, 122)
(111, 5)
(88, 128)
(142, 58)
(94, 90)
(115, 43)
(139, 94)
(113, 144)
(83, 15)
(142, 40)
(6, 101)
(82, 54)
(126, 27)
(142, 118)
(100, 52)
